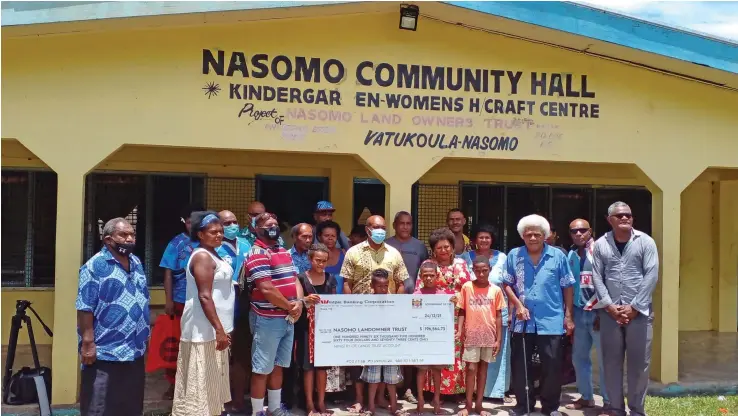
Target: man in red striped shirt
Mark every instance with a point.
(276, 303)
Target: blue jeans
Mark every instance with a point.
(584, 338)
(272, 344)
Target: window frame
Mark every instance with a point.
(91, 231)
(29, 280)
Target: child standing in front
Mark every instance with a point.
(429, 276)
(375, 375)
(480, 327)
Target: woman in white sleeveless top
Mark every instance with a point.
(202, 387)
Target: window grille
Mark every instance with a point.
(28, 227)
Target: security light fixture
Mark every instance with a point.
(409, 16)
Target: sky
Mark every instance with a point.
(715, 18)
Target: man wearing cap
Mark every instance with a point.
(324, 212)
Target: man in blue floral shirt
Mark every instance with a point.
(540, 286)
(113, 325)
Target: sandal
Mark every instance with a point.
(314, 413)
(401, 412)
(463, 412)
(580, 404)
(485, 413)
(356, 408)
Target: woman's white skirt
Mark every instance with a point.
(202, 385)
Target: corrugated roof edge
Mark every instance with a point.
(615, 28)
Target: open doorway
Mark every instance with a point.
(291, 198)
(369, 197)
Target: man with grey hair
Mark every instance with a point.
(539, 284)
(113, 325)
(302, 235)
(625, 273)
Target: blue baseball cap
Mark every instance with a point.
(324, 206)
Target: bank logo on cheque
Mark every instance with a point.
(417, 303)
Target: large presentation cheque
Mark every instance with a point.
(356, 330)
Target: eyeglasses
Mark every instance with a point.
(575, 231)
(623, 215)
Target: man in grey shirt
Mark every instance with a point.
(413, 250)
(413, 253)
(625, 273)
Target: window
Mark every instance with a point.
(291, 198)
(522, 201)
(568, 204)
(484, 204)
(639, 201)
(369, 196)
(152, 203)
(28, 228)
(504, 205)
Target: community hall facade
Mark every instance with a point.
(135, 109)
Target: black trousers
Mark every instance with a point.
(292, 386)
(112, 388)
(550, 352)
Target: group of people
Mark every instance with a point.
(247, 309)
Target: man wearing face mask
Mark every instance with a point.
(358, 264)
(113, 325)
(276, 303)
(234, 248)
(234, 251)
(249, 231)
(174, 263)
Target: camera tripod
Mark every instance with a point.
(17, 322)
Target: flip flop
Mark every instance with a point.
(314, 413)
(485, 413)
(356, 409)
(400, 412)
(463, 412)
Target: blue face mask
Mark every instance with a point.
(231, 231)
(378, 235)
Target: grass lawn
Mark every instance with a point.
(692, 406)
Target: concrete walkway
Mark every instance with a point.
(162, 409)
(496, 410)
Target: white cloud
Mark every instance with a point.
(716, 18)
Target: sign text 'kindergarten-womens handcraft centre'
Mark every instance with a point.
(490, 107)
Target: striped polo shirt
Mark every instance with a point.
(270, 264)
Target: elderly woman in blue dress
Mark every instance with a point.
(484, 237)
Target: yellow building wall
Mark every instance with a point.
(696, 263)
(88, 94)
(42, 301)
(725, 255)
